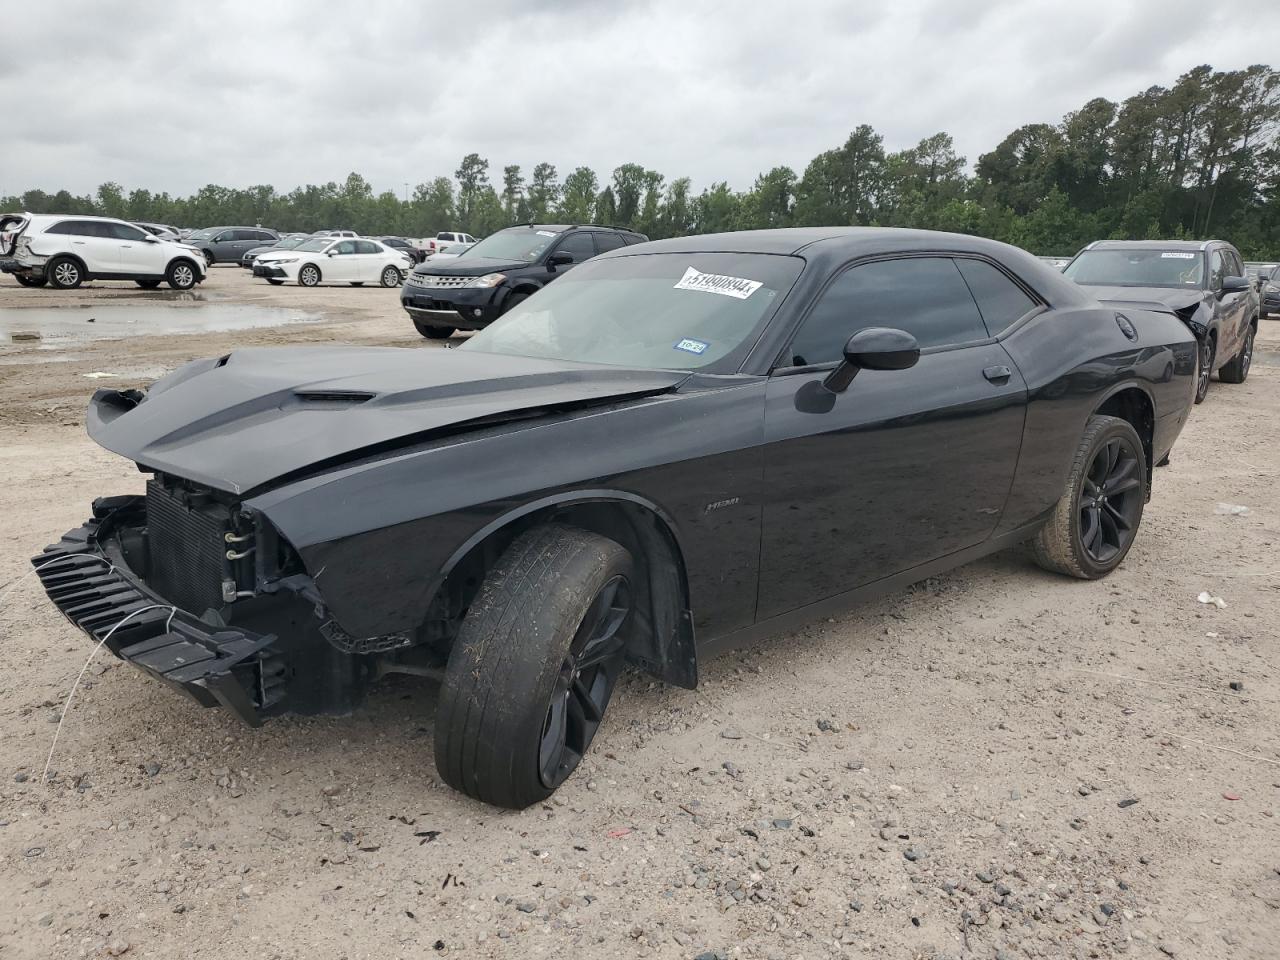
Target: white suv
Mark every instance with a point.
(65, 251)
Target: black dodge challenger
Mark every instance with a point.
(678, 447)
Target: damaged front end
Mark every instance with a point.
(235, 620)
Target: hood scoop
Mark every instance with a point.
(344, 397)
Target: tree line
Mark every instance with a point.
(1197, 159)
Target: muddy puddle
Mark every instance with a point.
(57, 328)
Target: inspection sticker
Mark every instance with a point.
(735, 287)
(547, 233)
(1177, 256)
(692, 346)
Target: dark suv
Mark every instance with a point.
(469, 292)
(1203, 282)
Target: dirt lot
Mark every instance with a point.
(997, 763)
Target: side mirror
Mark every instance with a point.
(1234, 284)
(150, 239)
(559, 259)
(875, 348)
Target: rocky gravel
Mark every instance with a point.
(996, 763)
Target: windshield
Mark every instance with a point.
(202, 234)
(517, 243)
(1138, 268)
(288, 244)
(314, 245)
(654, 311)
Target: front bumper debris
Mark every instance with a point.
(215, 666)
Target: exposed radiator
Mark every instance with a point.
(185, 548)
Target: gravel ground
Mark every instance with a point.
(996, 763)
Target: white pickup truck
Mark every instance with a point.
(445, 240)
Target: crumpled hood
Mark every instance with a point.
(1169, 298)
(238, 422)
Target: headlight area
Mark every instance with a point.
(489, 280)
(205, 595)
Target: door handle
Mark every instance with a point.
(998, 373)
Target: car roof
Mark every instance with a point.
(562, 227)
(828, 248)
(1155, 244)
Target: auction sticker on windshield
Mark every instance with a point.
(737, 287)
(1177, 256)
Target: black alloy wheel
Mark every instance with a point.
(1110, 501)
(585, 684)
(1204, 368)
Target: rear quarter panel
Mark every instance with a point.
(1073, 360)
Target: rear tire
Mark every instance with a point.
(432, 332)
(64, 273)
(181, 275)
(533, 666)
(1096, 520)
(30, 281)
(391, 277)
(1237, 371)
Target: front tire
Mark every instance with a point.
(1204, 367)
(309, 275)
(514, 301)
(432, 332)
(391, 277)
(181, 275)
(1096, 520)
(1237, 371)
(64, 273)
(534, 665)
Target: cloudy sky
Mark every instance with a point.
(171, 96)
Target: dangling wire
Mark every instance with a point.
(66, 706)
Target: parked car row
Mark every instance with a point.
(656, 453)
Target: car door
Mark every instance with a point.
(579, 245)
(370, 257)
(93, 242)
(904, 466)
(341, 263)
(135, 253)
(1237, 307)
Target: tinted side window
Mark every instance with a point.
(1234, 267)
(366, 246)
(579, 246)
(65, 227)
(633, 239)
(123, 231)
(926, 296)
(1000, 300)
(608, 241)
(346, 246)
